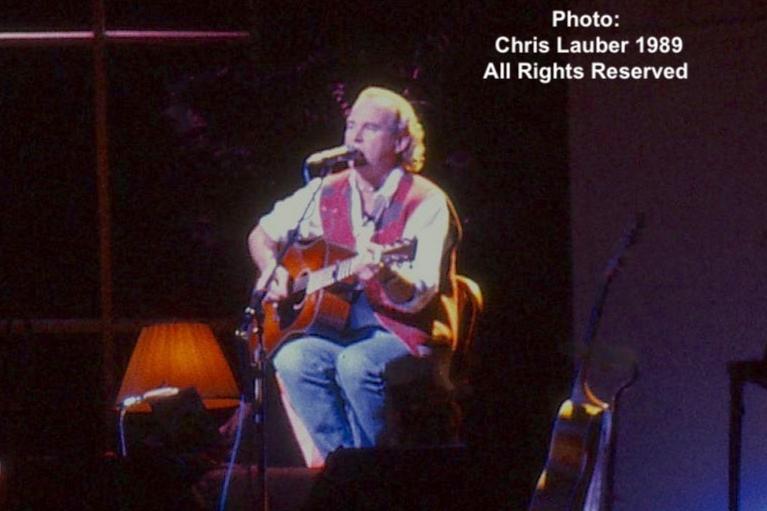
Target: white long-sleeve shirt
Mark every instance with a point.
(428, 224)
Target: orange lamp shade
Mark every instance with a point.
(180, 355)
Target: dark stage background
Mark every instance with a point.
(203, 139)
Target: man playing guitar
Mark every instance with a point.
(334, 375)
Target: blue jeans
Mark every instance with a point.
(337, 387)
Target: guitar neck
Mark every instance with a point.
(326, 276)
(341, 269)
(581, 390)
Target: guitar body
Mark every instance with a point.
(294, 316)
(565, 480)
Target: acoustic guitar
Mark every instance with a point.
(577, 474)
(322, 277)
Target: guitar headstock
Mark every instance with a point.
(398, 252)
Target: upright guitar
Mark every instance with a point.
(321, 275)
(581, 440)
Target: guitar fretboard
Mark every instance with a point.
(329, 275)
(311, 281)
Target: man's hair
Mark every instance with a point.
(407, 124)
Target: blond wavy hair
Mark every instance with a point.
(414, 156)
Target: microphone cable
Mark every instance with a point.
(233, 456)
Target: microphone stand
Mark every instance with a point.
(253, 325)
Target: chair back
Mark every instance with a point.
(469, 304)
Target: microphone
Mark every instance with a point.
(332, 160)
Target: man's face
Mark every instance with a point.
(372, 128)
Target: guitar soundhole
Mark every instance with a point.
(297, 300)
(287, 313)
(298, 290)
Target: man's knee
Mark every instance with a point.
(353, 367)
(291, 360)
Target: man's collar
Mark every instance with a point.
(389, 185)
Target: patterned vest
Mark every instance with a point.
(413, 329)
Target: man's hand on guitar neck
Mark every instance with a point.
(397, 288)
(369, 262)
